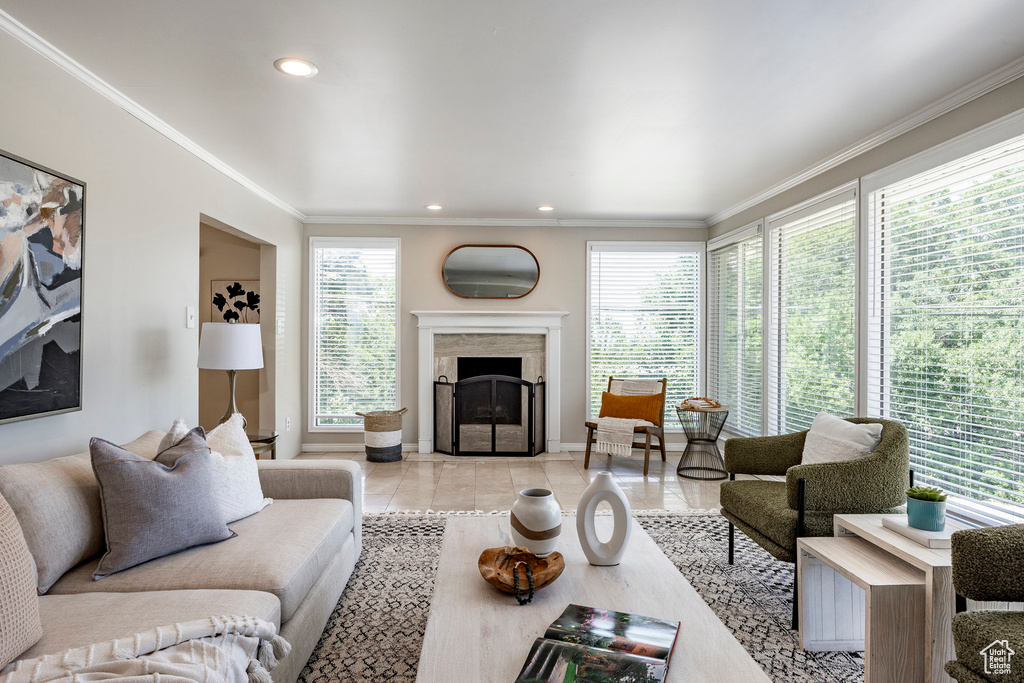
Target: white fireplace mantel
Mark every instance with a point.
(547, 323)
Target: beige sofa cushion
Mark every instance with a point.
(57, 503)
(19, 604)
(281, 550)
(78, 620)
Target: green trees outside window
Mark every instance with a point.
(354, 313)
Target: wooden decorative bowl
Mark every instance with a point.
(498, 564)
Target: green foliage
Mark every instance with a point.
(639, 338)
(927, 493)
(355, 330)
(955, 334)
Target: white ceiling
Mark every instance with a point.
(654, 109)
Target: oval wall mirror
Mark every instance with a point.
(483, 271)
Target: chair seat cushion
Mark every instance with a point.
(762, 506)
(281, 550)
(79, 620)
(984, 631)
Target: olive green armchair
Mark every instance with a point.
(987, 566)
(774, 514)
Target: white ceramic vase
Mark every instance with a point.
(610, 552)
(536, 521)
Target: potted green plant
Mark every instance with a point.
(926, 508)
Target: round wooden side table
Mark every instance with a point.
(702, 459)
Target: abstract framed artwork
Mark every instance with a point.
(235, 301)
(42, 223)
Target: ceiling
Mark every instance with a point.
(661, 109)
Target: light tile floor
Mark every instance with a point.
(449, 483)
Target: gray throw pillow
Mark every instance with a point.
(153, 508)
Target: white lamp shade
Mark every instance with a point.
(230, 346)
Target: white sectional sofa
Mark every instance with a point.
(288, 564)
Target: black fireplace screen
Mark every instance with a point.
(489, 415)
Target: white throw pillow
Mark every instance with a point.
(237, 477)
(178, 431)
(833, 439)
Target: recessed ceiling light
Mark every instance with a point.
(296, 67)
(545, 208)
(434, 207)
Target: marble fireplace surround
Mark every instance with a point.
(545, 323)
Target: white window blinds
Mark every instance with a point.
(811, 307)
(354, 336)
(946, 324)
(644, 316)
(734, 332)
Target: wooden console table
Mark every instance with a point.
(875, 604)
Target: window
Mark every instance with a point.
(354, 336)
(946, 324)
(644, 315)
(734, 330)
(811, 306)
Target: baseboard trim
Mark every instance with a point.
(345, 447)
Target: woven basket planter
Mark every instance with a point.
(382, 434)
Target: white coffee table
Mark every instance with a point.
(474, 633)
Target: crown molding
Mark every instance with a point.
(506, 222)
(957, 98)
(40, 45)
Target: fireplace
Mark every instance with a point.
(531, 336)
(476, 404)
(489, 414)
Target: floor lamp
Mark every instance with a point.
(231, 347)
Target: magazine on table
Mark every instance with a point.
(589, 645)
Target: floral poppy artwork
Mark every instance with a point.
(236, 300)
(42, 220)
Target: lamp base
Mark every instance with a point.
(232, 408)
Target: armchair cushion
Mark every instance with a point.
(649, 407)
(833, 439)
(876, 483)
(987, 562)
(762, 506)
(973, 632)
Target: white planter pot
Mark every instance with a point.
(603, 489)
(536, 521)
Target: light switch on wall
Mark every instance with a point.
(280, 325)
(190, 317)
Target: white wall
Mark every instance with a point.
(1005, 100)
(562, 253)
(144, 199)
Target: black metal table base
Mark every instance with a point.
(702, 460)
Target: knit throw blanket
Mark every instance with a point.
(615, 435)
(226, 649)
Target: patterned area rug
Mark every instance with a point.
(376, 631)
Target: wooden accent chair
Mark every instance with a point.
(647, 430)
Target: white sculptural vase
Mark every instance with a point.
(536, 521)
(610, 552)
